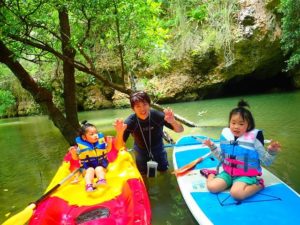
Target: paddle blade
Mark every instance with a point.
(22, 217)
(183, 170)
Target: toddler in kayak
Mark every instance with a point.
(92, 152)
(241, 152)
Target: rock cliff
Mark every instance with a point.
(256, 60)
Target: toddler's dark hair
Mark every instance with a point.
(244, 113)
(84, 126)
(139, 96)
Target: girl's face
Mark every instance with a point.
(237, 125)
(141, 109)
(91, 135)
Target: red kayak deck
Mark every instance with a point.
(122, 201)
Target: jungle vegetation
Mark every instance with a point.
(110, 41)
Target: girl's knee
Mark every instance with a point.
(237, 195)
(216, 185)
(99, 169)
(90, 170)
(213, 188)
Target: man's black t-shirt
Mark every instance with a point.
(155, 124)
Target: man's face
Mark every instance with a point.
(141, 109)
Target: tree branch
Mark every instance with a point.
(177, 117)
(40, 94)
(78, 65)
(81, 67)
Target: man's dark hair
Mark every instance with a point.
(139, 96)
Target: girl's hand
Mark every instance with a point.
(274, 146)
(109, 142)
(120, 126)
(169, 115)
(208, 143)
(73, 151)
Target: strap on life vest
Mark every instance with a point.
(88, 148)
(241, 162)
(232, 142)
(244, 166)
(88, 159)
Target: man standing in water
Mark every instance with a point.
(146, 127)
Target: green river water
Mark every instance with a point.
(32, 149)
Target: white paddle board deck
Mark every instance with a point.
(276, 204)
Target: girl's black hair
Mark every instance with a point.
(84, 126)
(244, 113)
(139, 96)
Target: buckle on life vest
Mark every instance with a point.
(232, 156)
(233, 165)
(233, 142)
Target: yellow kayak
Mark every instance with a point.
(122, 201)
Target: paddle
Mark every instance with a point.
(168, 138)
(183, 170)
(22, 217)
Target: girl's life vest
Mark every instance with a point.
(239, 157)
(91, 152)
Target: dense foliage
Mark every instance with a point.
(108, 39)
(6, 101)
(109, 34)
(121, 38)
(291, 32)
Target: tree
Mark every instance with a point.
(291, 32)
(42, 30)
(6, 100)
(41, 95)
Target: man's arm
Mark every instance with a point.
(169, 118)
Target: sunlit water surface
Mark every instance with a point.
(32, 149)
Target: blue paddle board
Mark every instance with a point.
(276, 204)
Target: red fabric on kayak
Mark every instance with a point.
(131, 207)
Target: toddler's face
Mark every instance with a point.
(237, 125)
(91, 135)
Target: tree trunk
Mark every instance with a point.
(68, 69)
(41, 95)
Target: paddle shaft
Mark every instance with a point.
(22, 217)
(56, 186)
